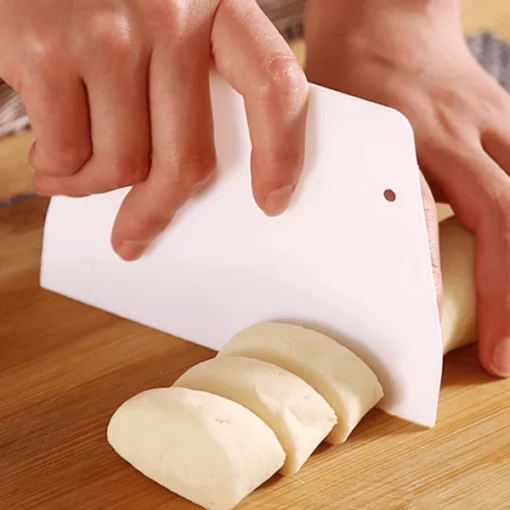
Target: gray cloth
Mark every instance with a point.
(494, 56)
(13, 117)
(492, 53)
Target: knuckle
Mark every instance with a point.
(126, 170)
(152, 221)
(194, 172)
(171, 16)
(112, 31)
(64, 161)
(285, 81)
(39, 54)
(281, 168)
(289, 161)
(127, 179)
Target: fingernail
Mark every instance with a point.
(501, 358)
(278, 201)
(132, 250)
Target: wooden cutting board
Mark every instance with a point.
(65, 367)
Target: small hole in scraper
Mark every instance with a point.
(389, 195)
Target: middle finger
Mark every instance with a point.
(183, 153)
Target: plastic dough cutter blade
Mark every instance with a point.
(350, 257)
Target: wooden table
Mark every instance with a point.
(65, 367)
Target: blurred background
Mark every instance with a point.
(486, 25)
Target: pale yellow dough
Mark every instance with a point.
(345, 381)
(459, 320)
(203, 447)
(271, 395)
(299, 416)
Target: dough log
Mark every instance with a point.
(269, 398)
(299, 416)
(203, 447)
(457, 249)
(348, 385)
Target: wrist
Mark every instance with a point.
(350, 15)
(395, 37)
(371, 22)
(365, 7)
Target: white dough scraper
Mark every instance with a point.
(349, 258)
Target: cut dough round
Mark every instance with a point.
(459, 321)
(299, 416)
(345, 381)
(203, 447)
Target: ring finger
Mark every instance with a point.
(120, 129)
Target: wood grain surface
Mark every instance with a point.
(65, 368)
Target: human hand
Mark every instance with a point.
(117, 92)
(412, 56)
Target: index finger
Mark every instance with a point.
(256, 60)
(478, 192)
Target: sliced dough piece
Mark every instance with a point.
(348, 385)
(203, 447)
(459, 321)
(299, 416)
